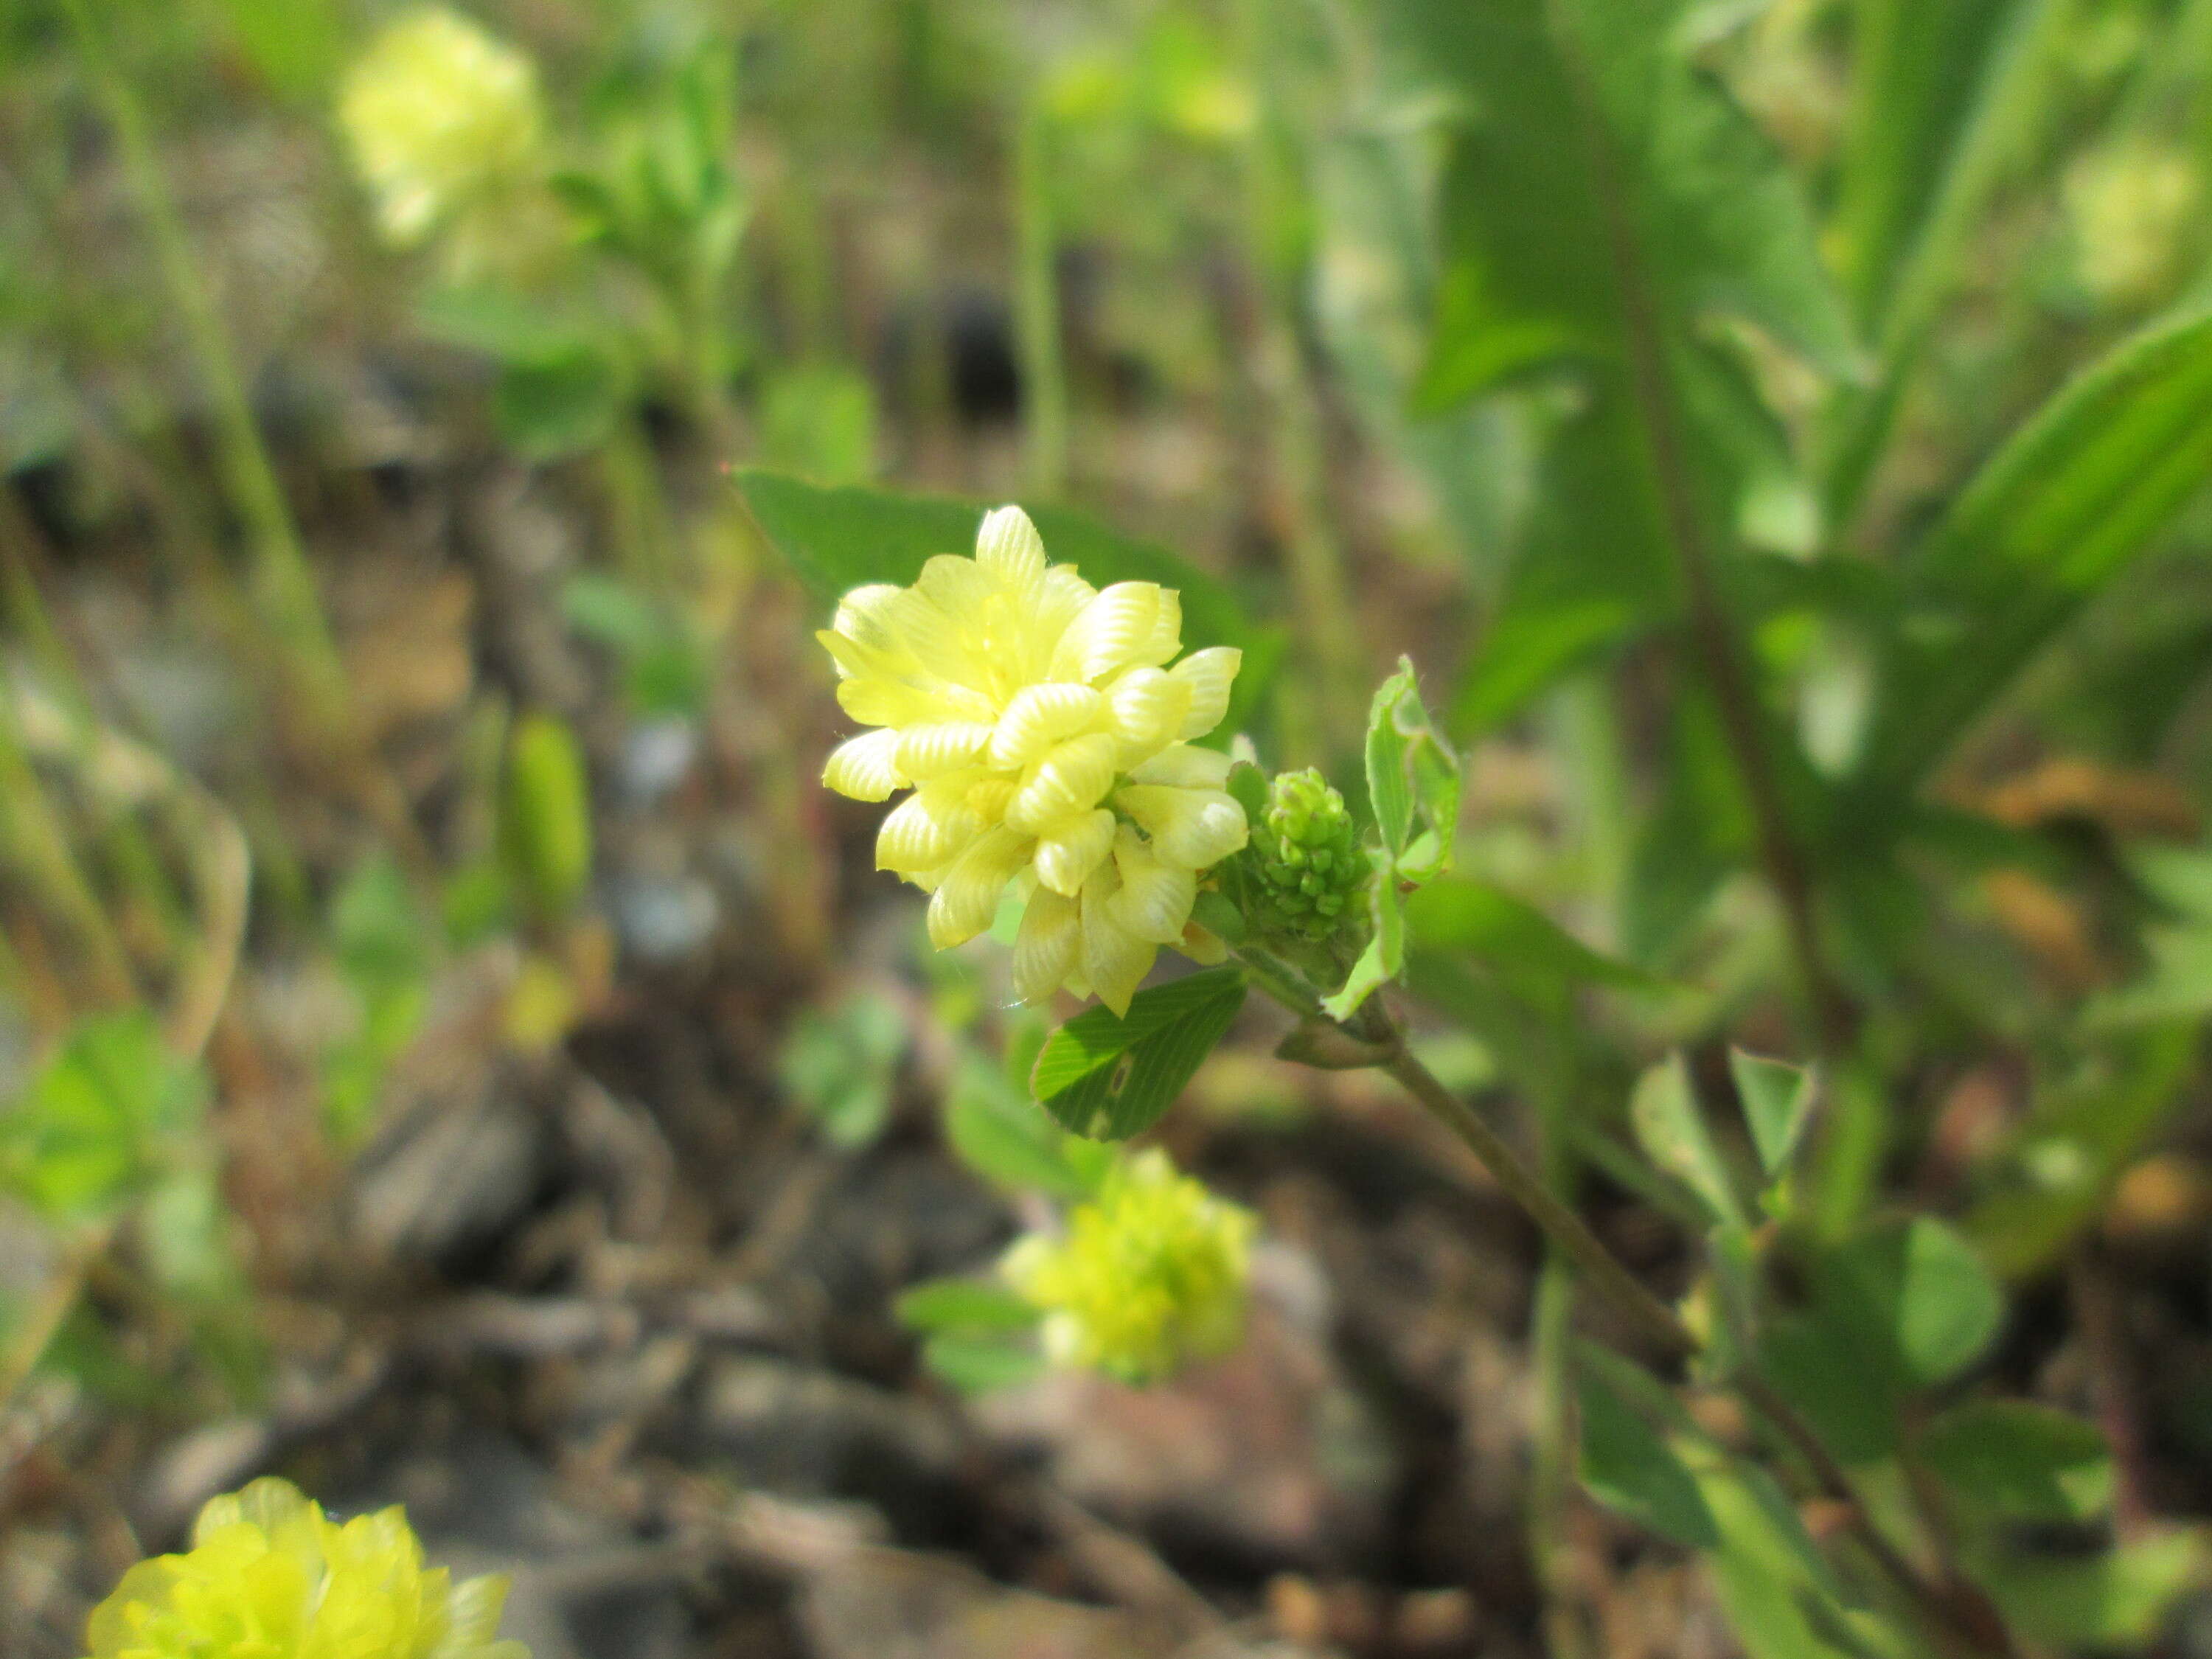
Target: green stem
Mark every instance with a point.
(32, 831)
(1958, 1614)
(284, 582)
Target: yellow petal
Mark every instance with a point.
(1185, 766)
(1195, 829)
(1045, 949)
(1068, 852)
(1209, 674)
(1112, 629)
(1166, 637)
(967, 901)
(866, 768)
(933, 750)
(1008, 546)
(920, 833)
(1073, 778)
(1040, 716)
(1113, 960)
(1146, 706)
(1155, 898)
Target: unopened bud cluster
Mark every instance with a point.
(1307, 855)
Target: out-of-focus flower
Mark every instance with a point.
(443, 120)
(1306, 850)
(1045, 737)
(1149, 1275)
(2131, 204)
(270, 1576)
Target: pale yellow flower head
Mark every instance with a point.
(2133, 203)
(1149, 1275)
(1043, 725)
(270, 1576)
(442, 118)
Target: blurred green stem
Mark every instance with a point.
(32, 833)
(284, 582)
(1044, 367)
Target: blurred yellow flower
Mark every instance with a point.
(270, 1576)
(442, 118)
(1045, 737)
(1149, 1275)
(2133, 203)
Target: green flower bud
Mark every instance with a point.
(1149, 1275)
(1306, 854)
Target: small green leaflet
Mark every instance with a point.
(1777, 1103)
(964, 1305)
(1674, 1134)
(1111, 1078)
(1627, 1464)
(1412, 775)
(1414, 790)
(998, 1132)
(2010, 1461)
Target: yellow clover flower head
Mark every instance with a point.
(1043, 725)
(1149, 1274)
(270, 1576)
(441, 117)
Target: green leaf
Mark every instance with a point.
(998, 1132)
(1522, 946)
(1109, 1078)
(1777, 1103)
(1782, 1601)
(1631, 1470)
(1671, 1130)
(560, 407)
(2114, 1600)
(1413, 777)
(546, 816)
(836, 539)
(1911, 1303)
(295, 44)
(1604, 205)
(1948, 1306)
(185, 1230)
(964, 1305)
(1922, 166)
(1923, 71)
(2011, 1461)
(2074, 496)
(983, 1364)
(105, 1118)
(500, 323)
(840, 1065)
(1384, 957)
